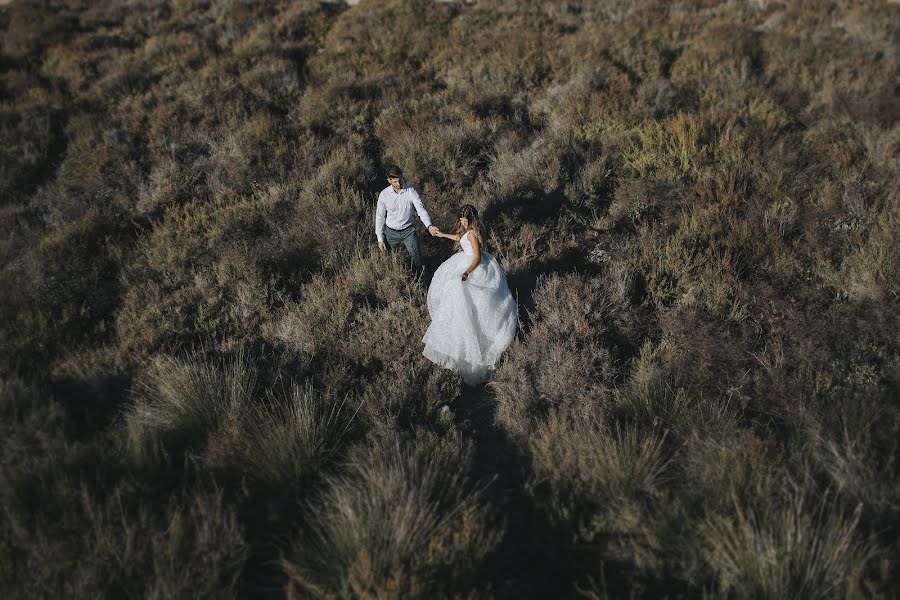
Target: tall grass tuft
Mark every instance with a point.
(606, 486)
(179, 398)
(286, 442)
(398, 523)
(589, 466)
(74, 524)
(195, 548)
(789, 551)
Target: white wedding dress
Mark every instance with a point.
(472, 321)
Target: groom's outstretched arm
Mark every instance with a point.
(420, 209)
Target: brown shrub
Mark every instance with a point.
(566, 359)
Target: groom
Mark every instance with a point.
(394, 219)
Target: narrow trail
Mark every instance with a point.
(523, 565)
(474, 413)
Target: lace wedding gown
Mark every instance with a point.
(472, 321)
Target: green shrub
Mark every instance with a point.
(678, 147)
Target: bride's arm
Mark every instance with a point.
(476, 258)
(449, 236)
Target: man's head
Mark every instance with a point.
(394, 176)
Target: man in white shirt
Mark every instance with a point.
(394, 218)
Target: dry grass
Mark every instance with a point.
(696, 206)
(399, 523)
(792, 551)
(286, 443)
(68, 528)
(187, 400)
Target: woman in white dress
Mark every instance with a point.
(473, 313)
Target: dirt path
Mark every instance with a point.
(474, 413)
(522, 566)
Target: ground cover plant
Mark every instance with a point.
(211, 383)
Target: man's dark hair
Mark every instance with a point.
(393, 171)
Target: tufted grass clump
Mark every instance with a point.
(177, 399)
(196, 546)
(792, 550)
(288, 440)
(399, 522)
(608, 486)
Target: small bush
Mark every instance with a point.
(565, 360)
(677, 147)
(526, 172)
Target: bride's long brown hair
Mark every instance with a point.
(468, 212)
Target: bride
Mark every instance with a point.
(473, 313)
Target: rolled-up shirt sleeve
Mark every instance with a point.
(420, 208)
(380, 217)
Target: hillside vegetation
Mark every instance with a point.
(211, 382)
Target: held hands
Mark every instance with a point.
(434, 231)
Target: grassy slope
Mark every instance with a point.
(211, 384)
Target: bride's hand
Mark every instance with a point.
(465, 276)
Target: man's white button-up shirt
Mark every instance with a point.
(395, 209)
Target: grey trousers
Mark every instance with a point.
(408, 238)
